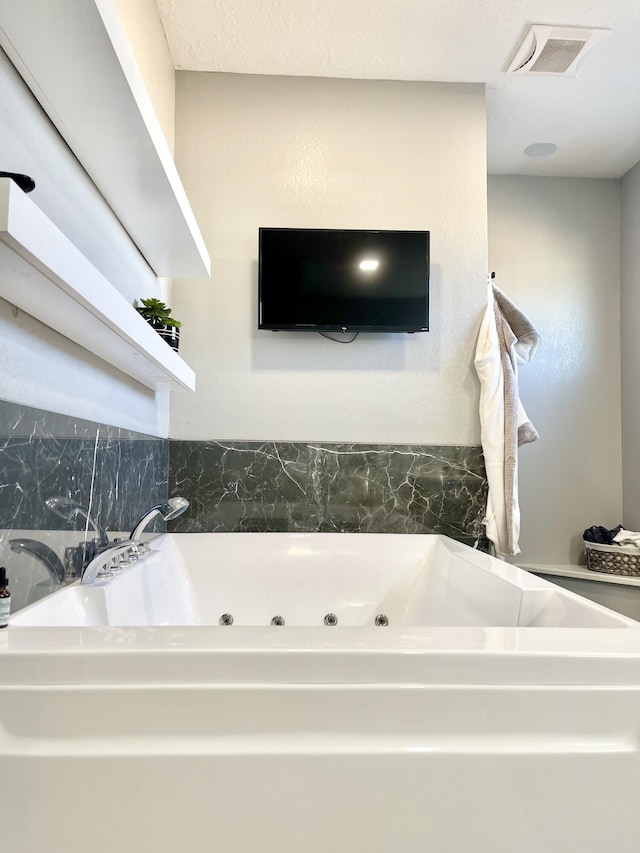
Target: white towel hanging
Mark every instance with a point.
(506, 338)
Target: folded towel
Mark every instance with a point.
(627, 537)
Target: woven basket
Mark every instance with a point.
(613, 559)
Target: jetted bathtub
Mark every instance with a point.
(306, 579)
(420, 695)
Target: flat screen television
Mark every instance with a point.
(343, 280)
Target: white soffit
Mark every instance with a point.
(554, 50)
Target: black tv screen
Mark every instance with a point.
(343, 280)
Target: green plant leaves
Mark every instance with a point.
(156, 311)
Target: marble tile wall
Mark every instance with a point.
(116, 473)
(232, 486)
(275, 486)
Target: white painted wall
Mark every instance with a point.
(38, 367)
(555, 246)
(630, 344)
(41, 368)
(285, 151)
(148, 43)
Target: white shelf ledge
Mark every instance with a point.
(580, 573)
(45, 275)
(76, 59)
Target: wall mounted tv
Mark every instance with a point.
(323, 280)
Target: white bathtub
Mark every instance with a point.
(201, 579)
(495, 712)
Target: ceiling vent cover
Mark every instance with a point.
(554, 50)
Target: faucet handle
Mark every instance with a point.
(105, 574)
(118, 563)
(106, 562)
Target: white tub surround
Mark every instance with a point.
(492, 694)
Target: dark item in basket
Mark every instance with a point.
(600, 535)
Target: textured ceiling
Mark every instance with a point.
(594, 118)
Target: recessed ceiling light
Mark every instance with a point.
(541, 149)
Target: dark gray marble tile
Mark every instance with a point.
(113, 473)
(279, 486)
(116, 472)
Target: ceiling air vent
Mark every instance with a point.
(554, 50)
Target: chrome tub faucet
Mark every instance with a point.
(41, 552)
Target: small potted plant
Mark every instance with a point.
(158, 315)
